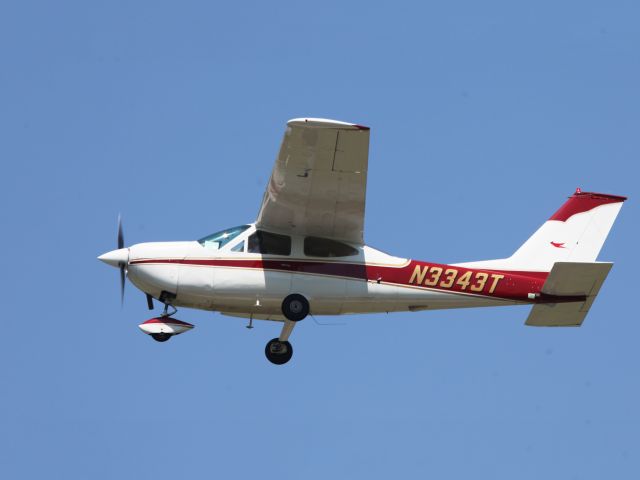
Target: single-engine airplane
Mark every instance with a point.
(305, 253)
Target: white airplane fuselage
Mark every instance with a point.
(254, 285)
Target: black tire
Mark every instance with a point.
(278, 352)
(161, 337)
(295, 307)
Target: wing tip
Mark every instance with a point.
(326, 123)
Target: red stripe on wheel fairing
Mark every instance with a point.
(168, 321)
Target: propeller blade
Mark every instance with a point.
(122, 265)
(122, 273)
(120, 235)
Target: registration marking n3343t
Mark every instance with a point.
(452, 278)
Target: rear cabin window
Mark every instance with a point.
(324, 247)
(269, 243)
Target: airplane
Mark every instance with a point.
(305, 254)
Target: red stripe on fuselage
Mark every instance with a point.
(512, 285)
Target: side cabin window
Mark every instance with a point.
(217, 240)
(325, 247)
(239, 247)
(269, 243)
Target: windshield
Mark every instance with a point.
(219, 239)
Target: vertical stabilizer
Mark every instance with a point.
(575, 233)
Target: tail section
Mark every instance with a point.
(575, 233)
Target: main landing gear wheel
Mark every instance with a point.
(161, 337)
(295, 307)
(278, 352)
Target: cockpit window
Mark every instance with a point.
(269, 243)
(325, 247)
(219, 239)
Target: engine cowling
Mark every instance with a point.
(164, 326)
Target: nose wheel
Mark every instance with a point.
(164, 336)
(278, 352)
(161, 337)
(164, 327)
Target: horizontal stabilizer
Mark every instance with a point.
(569, 279)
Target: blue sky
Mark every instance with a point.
(485, 116)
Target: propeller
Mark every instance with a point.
(122, 265)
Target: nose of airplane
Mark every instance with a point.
(115, 258)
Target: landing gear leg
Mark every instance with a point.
(295, 307)
(165, 312)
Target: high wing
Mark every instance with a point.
(318, 183)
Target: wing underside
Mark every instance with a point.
(318, 183)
